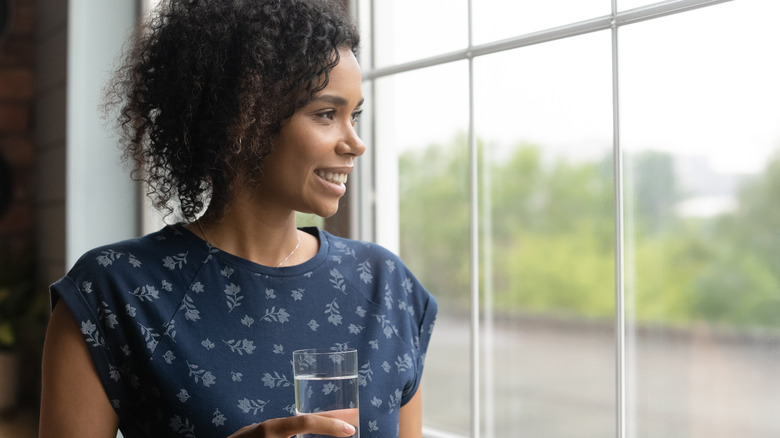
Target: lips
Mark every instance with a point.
(332, 177)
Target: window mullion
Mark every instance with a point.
(620, 315)
(474, 351)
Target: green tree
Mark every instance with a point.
(552, 237)
(434, 217)
(654, 188)
(551, 227)
(741, 285)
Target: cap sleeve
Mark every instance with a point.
(97, 320)
(424, 320)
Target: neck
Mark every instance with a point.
(253, 233)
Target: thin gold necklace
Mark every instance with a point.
(297, 244)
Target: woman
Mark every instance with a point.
(247, 109)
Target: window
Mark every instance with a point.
(590, 190)
(99, 199)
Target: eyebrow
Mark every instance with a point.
(335, 100)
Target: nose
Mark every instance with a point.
(351, 143)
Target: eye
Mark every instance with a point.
(328, 115)
(356, 116)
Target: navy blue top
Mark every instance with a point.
(192, 341)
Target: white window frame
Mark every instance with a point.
(372, 226)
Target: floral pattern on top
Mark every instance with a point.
(191, 341)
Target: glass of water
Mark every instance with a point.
(326, 383)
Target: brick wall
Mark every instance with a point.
(50, 121)
(17, 91)
(17, 146)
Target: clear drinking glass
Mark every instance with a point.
(326, 383)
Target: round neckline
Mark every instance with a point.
(283, 271)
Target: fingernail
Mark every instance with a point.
(348, 428)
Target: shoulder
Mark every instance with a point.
(375, 266)
(156, 261)
(143, 278)
(360, 250)
(138, 252)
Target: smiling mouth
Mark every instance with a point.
(335, 178)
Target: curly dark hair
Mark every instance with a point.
(206, 84)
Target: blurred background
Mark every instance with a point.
(62, 187)
(589, 187)
(23, 301)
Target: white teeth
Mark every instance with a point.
(335, 178)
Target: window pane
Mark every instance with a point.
(544, 126)
(422, 118)
(500, 19)
(406, 30)
(700, 117)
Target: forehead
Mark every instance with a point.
(346, 76)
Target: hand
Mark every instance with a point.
(290, 426)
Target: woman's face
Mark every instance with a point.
(316, 147)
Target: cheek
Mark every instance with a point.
(313, 151)
(304, 149)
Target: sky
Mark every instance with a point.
(700, 83)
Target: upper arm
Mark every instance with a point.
(73, 401)
(410, 417)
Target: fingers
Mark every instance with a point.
(287, 427)
(350, 416)
(290, 426)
